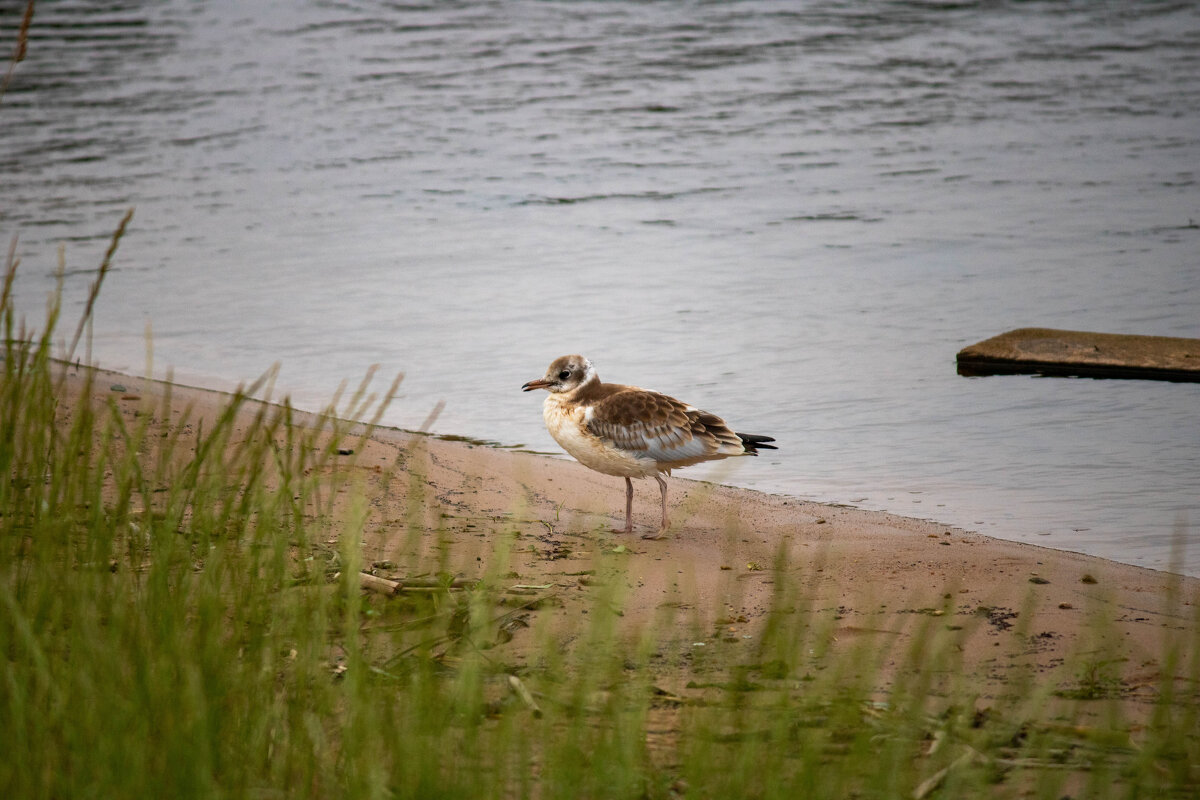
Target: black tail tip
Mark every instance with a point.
(753, 442)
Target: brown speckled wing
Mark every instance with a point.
(652, 425)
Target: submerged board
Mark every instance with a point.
(1046, 351)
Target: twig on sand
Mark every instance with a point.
(519, 689)
(378, 584)
(928, 786)
(392, 588)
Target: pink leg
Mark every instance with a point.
(666, 523)
(628, 507)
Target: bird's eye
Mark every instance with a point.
(566, 373)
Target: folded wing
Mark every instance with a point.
(652, 425)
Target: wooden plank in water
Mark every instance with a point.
(1046, 351)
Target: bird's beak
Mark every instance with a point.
(539, 383)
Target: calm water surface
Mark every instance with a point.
(791, 213)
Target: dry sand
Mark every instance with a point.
(1027, 612)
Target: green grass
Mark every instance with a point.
(181, 616)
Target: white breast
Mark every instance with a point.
(567, 424)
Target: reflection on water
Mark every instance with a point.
(793, 216)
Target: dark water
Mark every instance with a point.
(793, 214)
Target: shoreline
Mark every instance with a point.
(196, 390)
(1134, 528)
(879, 577)
(207, 399)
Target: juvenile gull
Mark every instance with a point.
(632, 432)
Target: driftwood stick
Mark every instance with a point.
(934, 781)
(523, 693)
(434, 583)
(392, 588)
(378, 584)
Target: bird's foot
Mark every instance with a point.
(660, 533)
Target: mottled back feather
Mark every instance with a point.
(652, 425)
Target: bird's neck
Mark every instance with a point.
(590, 389)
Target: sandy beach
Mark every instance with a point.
(879, 579)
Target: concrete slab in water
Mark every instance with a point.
(1046, 351)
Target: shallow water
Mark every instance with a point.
(793, 214)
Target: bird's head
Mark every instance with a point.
(565, 374)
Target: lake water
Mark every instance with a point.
(793, 214)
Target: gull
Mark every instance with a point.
(632, 432)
